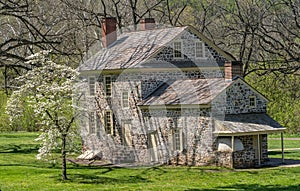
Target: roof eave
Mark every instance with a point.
(229, 133)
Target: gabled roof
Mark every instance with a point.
(187, 92)
(131, 49)
(246, 124)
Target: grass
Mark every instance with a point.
(20, 171)
(290, 145)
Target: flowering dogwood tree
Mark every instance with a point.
(49, 91)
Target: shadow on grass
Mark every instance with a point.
(20, 148)
(270, 153)
(250, 187)
(99, 179)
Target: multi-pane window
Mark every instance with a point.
(92, 123)
(177, 140)
(108, 83)
(177, 49)
(125, 101)
(92, 81)
(108, 122)
(200, 50)
(252, 100)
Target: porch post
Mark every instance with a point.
(258, 149)
(282, 147)
(232, 143)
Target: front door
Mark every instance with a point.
(153, 146)
(126, 131)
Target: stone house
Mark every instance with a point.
(170, 96)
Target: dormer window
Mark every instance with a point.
(200, 51)
(177, 49)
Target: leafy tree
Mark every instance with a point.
(284, 97)
(48, 91)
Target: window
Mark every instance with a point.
(177, 50)
(92, 123)
(108, 86)
(108, 123)
(200, 50)
(92, 86)
(126, 133)
(98, 124)
(252, 101)
(177, 140)
(125, 100)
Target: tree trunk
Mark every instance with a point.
(63, 155)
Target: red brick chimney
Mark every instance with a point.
(147, 24)
(109, 31)
(233, 69)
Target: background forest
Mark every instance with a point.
(264, 34)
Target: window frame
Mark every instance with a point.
(92, 86)
(203, 54)
(125, 99)
(177, 139)
(254, 105)
(108, 87)
(92, 122)
(108, 123)
(175, 50)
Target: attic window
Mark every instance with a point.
(177, 48)
(252, 101)
(199, 50)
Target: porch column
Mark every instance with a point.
(232, 143)
(282, 147)
(258, 149)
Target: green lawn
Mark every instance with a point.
(19, 170)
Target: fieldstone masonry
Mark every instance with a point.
(178, 136)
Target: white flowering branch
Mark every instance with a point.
(48, 90)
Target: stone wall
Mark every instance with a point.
(188, 40)
(194, 124)
(237, 100)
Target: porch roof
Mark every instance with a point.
(247, 124)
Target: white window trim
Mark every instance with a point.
(94, 85)
(105, 78)
(111, 132)
(122, 100)
(174, 50)
(252, 106)
(181, 140)
(92, 124)
(203, 50)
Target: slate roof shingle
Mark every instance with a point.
(131, 49)
(187, 91)
(250, 123)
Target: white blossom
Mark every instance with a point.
(48, 90)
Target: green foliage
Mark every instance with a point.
(4, 121)
(283, 92)
(26, 122)
(19, 170)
